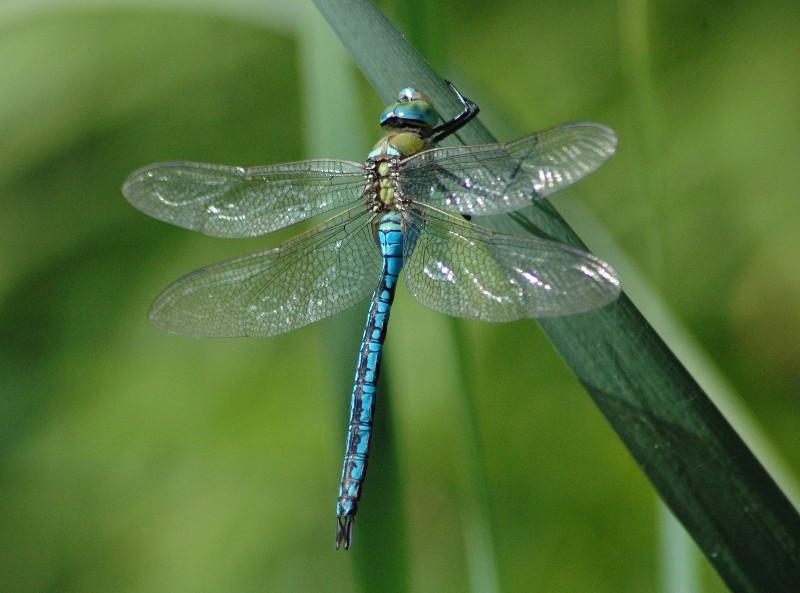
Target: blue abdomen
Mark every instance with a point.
(362, 406)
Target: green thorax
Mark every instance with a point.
(400, 144)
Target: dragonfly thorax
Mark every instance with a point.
(401, 144)
(383, 163)
(381, 184)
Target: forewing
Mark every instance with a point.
(228, 201)
(313, 276)
(468, 271)
(500, 178)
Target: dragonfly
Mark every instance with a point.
(408, 207)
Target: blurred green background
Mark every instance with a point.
(132, 460)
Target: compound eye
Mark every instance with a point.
(416, 112)
(411, 109)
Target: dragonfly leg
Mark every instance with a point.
(449, 127)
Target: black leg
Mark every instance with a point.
(441, 132)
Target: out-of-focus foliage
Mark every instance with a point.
(132, 460)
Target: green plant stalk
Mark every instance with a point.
(698, 464)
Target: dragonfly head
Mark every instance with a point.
(412, 110)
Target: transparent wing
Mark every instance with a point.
(500, 178)
(468, 271)
(228, 201)
(330, 268)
